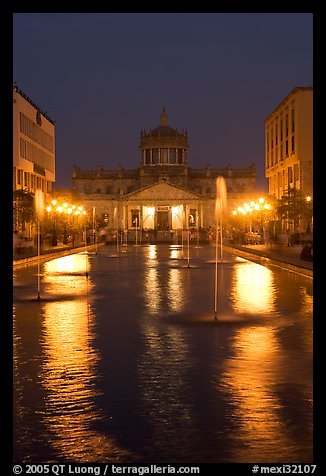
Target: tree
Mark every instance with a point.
(23, 208)
(294, 207)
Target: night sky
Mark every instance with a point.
(105, 76)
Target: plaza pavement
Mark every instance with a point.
(281, 255)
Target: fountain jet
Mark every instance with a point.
(220, 205)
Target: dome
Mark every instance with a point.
(164, 131)
(164, 145)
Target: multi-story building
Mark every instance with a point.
(33, 145)
(289, 144)
(164, 193)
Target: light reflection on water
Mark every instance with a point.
(175, 290)
(194, 393)
(161, 368)
(69, 375)
(254, 378)
(152, 290)
(253, 289)
(248, 379)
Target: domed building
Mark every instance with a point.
(164, 194)
(164, 145)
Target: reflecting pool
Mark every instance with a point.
(129, 365)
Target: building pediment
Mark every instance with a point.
(163, 191)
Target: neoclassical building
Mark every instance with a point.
(163, 193)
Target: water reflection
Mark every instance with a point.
(175, 252)
(66, 276)
(255, 378)
(72, 264)
(162, 372)
(69, 369)
(96, 374)
(152, 252)
(163, 287)
(152, 290)
(175, 291)
(253, 289)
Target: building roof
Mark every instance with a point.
(163, 130)
(32, 103)
(294, 91)
(160, 190)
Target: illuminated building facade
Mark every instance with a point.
(33, 145)
(289, 144)
(164, 193)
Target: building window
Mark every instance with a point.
(296, 172)
(290, 175)
(172, 156)
(135, 218)
(36, 133)
(272, 139)
(164, 156)
(192, 219)
(108, 190)
(286, 148)
(287, 125)
(276, 134)
(155, 156)
(292, 121)
(292, 144)
(279, 181)
(180, 161)
(281, 129)
(98, 190)
(281, 151)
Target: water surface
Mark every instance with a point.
(128, 365)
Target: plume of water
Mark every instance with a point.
(220, 205)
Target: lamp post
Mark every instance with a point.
(54, 233)
(260, 206)
(39, 206)
(310, 217)
(65, 211)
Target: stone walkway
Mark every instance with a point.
(283, 256)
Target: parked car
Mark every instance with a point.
(252, 238)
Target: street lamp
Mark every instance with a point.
(54, 232)
(310, 219)
(260, 206)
